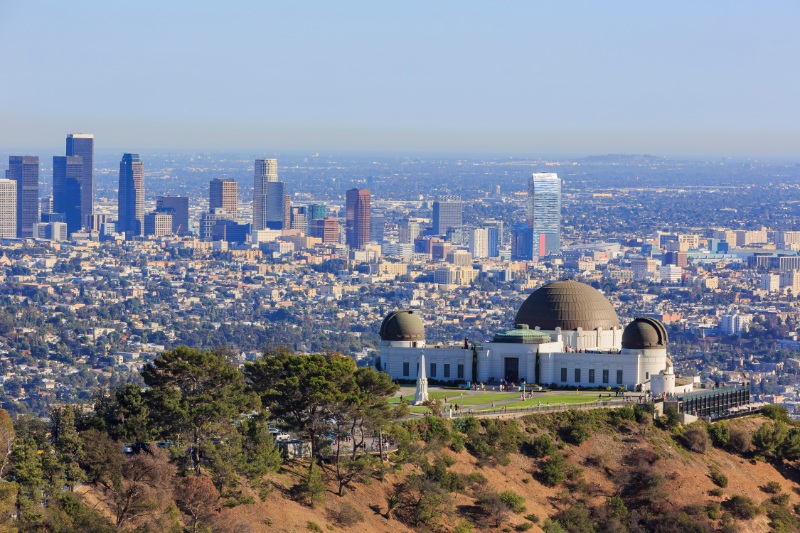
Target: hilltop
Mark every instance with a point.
(618, 473)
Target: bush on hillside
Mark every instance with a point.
(696, 438)
(742, 507)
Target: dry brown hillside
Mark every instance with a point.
(456, 477)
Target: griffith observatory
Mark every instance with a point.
(565, 334)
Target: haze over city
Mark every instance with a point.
(569, 78)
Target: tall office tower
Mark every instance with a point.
(357, 217)
(544, 200)
(24, 169)
(276, 206)
(326, 229)
(224, 193)
(316, 211)
(266, 171)
(8, 209)
(446, 214)
(377, 227)
(178, 207)
(67, 175)
(130, 200)
(82, 144)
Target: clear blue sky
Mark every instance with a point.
(716, 78)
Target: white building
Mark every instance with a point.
(566, 334)
(735, 323)
(670, 273)
(771, 283)
(8, 209)
(479, 243)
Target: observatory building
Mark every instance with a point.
(565, 333)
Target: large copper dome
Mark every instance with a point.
(568, 305)
(402, 326)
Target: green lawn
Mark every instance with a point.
(469, 398)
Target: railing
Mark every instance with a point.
(548, 408)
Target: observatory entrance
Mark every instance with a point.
(512, 369)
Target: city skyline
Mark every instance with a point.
(674, 80)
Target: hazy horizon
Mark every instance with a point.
(680, 80)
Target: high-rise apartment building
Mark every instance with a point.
(544, 198)
(130, 200)
(447, 213)
(82, 144)
(357, 217)
(266, 171)
(8, 209)
(178, 207)
(67, 176)
(224, 193)
(479, 242)
(24, 169)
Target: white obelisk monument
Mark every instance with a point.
(421, 396)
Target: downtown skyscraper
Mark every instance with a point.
(266, 171)
(357, 218)
(24, 169)
(130, 200)
(8, 209)
(544, 213)
(224, 193)
(67, 176)
(447, 213)
(82, 144)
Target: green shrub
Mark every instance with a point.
(457, 442)
(673, 418)
(525, 526)
(514, 501)
(773, 487)
(716, 492)
(552, 526)
(777, 413)
(554, 470)
(713, 510)
(780, 499)
(742, 507)
(719, 479)
(463, 526)
(720, 433)
(313, 526)
(542, 446)
(467, 425)
(532, 518)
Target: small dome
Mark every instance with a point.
(644, 333)
(402, 326)
(568, 305)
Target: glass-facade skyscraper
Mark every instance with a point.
(82, 144)
(357, 218)
(266, 171)
(130, 200)
(67, 175)
(544, 212)
(447, 213)
(24, 169)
